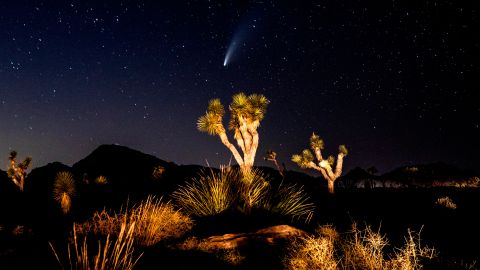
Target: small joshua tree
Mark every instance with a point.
(272, 156)
(324, 166)
(246, 113)
(63, 190)
(18, 172)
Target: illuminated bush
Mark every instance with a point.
(358, 249)
(64, 190)
(101, 180)
(210, 194)
(292, 201)
(446, 202)
(213, 193)
(155, 221)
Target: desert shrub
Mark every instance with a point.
(64, 190)
(446, 202)
(110, 254)
(313, 252)
(158, 172)
(155, 221)
(292, 201)
(363, 249)
(101, 180)
(357, 249)
(209, 194)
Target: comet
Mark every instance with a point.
(230, 51)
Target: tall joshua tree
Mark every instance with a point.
(246, 113)
(18, 172)
(324, 166)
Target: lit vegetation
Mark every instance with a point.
(110, 255)
(292, 201)
(209, 194)
(64, 190)
(307, 160)
(446, 202)
(213, 193)
(101, 180)
(17, 172)
(358, 249)
(246, 113)
(155, 221)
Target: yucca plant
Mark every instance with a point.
(209, 194)
(101, 180)
(292, 201)
(64, 190)
(254, 190)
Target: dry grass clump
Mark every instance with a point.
(110, 255)
(64, 190)
(313, 253)
(446, 202)
(155, 221)
(357, 249)
(364, 249)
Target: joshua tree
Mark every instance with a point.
(324, 166)
(272, 156)
(18, 172)
(246, 112)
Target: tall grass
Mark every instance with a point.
(358, 249)
(155, 221)
(110, 255)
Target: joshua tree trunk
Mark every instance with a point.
(331, 186)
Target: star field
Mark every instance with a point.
(396, 82)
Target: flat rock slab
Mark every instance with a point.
(270, 235)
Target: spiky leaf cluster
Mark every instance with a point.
(24, 165)
(316, 142)
(331, 160)
(304, 159)
(343, 149)
(252, 108)
(64, 183)
(13, 155)
(64, 189)
(211, 122)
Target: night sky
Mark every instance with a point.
(396, 81)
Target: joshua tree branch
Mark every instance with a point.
(338, 168)
(231, 147)
(326, 166)
(318, 154)
(318, 168)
